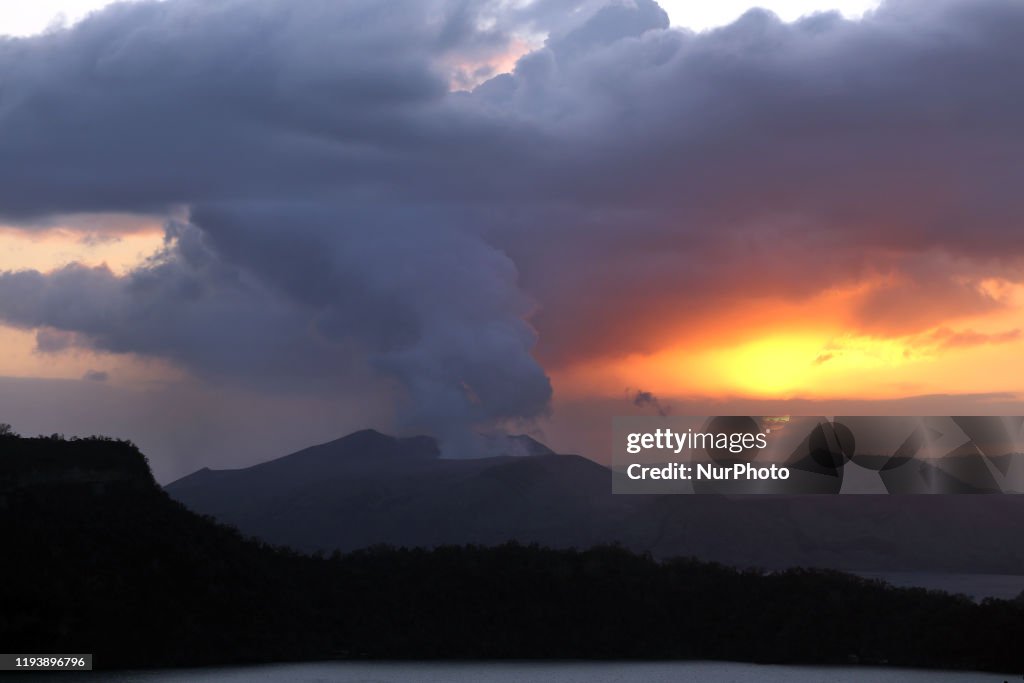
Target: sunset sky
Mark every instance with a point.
(232, 229)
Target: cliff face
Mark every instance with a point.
(103, 561)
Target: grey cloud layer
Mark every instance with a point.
(347, 208)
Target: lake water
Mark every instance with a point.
(530, 672)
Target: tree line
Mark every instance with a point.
(132, 576)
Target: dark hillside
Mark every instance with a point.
(121, 570)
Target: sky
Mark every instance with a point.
(233, 229)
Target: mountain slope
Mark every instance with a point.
(369, 488)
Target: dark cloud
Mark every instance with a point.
(645, 399)
(96, 376)
(435, 310)
(91, 239)
(150, 104)
(348, 213)
(54, 341)
(185, 304)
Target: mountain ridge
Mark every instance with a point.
(346, 503)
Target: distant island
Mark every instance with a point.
(368, 488)
(98, 558)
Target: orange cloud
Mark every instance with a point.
(119, 241)
(945, 338)
(815, 349)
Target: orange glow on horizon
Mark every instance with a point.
(797, 351)
(756, 347)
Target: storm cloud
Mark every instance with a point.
(351, 208)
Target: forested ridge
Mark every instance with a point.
(99, 559)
